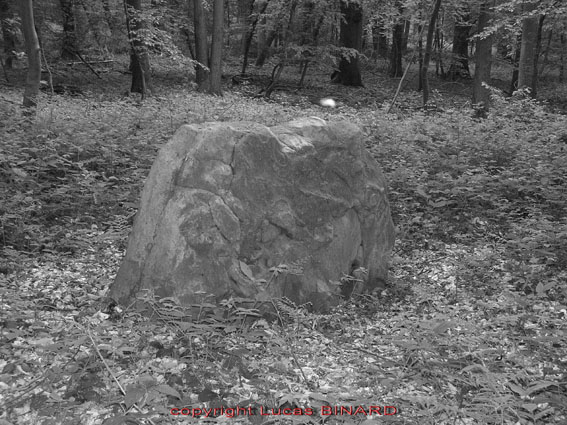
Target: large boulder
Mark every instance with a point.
(243, 210)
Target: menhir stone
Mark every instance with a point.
(243, 210)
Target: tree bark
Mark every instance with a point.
(546, 52)
(201, 46)
(286, 9)
(139, 57)
(266, 38)
(216, 48)
(438, 48)
(8, 32)
(459, 67)
(428, 48)
(398, 34)
(515, 63)
(396, 69)
(31, 90)
(379, 40)
(420, 56)
(265, 46)
(405, 37)
(483, 59)
(537, 54)
(351, 37)
(247, 43)
(250, 20)
(563, 58)
(69, 42)
(528, 49)
(245, 17)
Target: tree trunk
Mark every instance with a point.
(483, 59)
(247, 43)
(229, 43)
(265, 47)
(261, 35)
(309, 24)
(536, 55)
(515, 64)
(563, 58)
(8, 32)
(216, 48)
(546, 52)
(428, 48)
(31, 90)
(439, 45)
(396, 53)
(286, 9)
(245, 18)
(405, 37)
(139, 57)
(379, 41)
(459, 67)
(420, 56)
(250, 21)
(438, 48)
(201, 46)
(528, 49)
(351, 37)
(69, 42)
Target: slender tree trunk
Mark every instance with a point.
(31, 90)
(189, 31)
(483, 59)
(139, 57)
(459, 67)
(265, 46)
(528, 50)
(250, 20)
(216, 48)
(351, 37)
(438, 48)
(250, 33)
(405, 38)
(563, 58)
(245, 18)
(226, 8)
(307, 22)
(428, 48)
(261, 35)
(537, 53)
(201, 46)
(266, 39)
(420, 56)
(379, 40)
(396, 53)
(69, 42)
(317, 30)
(8, 32)
(287, 10)
(546, 53)
(515, 64)
(440, 37)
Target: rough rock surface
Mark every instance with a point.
(245, 210)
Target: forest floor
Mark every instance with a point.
(470, 330)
